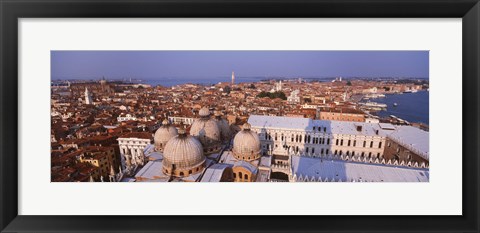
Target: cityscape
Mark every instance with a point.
(237, 127)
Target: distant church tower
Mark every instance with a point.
(103, 83)
(233, 78)
(278, 86)
(88, 98)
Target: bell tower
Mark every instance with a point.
(88, 97)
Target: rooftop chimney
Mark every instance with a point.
(359, 128)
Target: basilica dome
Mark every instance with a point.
(204, 112)
(246, 144)
(164, 134)
(223, 126)
(183, 155)
(207, 131)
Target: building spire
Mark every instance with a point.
(112, 171)
(88, 97)
(233, 78)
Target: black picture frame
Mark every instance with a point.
(11, 11)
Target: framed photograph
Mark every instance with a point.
(175, 116)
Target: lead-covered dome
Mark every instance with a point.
(223, 126)
(164, 134)
(204, 112)
(183, 155)
(246, 144)
(207, 131)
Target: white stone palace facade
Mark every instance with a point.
(319, 138)
(132, 150)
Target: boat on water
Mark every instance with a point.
(375, 104)
(411, 91)
(374, 96)
(395, 104)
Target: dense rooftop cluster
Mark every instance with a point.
(89, 118)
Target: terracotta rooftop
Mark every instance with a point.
(143, 135)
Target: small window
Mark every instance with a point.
(246, 177)
(181, 173)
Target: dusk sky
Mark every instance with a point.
(204, 64)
